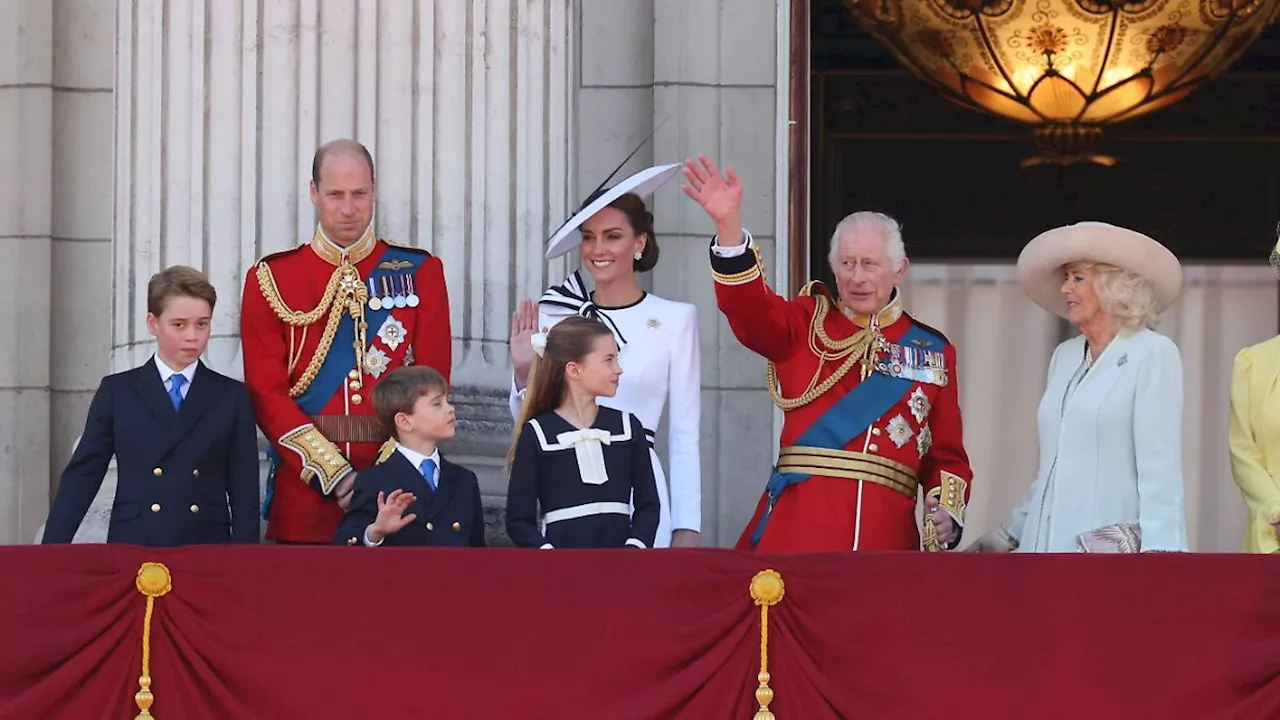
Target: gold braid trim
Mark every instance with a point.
(861, 347)
(345, 292)
(744, 277)
(321, 459)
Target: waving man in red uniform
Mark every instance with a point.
(320, 324)
(872, 414)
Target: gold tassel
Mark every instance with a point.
(931, 534)
(766, 590)
(153, 581)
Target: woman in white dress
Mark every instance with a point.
(1110, 420)
(658, 338)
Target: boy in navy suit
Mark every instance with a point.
(183, 437)
(412, 496)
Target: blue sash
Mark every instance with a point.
(846, 419)
(342, 353)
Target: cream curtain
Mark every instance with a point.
(1004, 342)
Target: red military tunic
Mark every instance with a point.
(310, 373)
(855, 450)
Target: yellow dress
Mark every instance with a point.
(1254, 440)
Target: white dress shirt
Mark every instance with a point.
(167, 373)
(415, 459)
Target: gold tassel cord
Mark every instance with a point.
(767, 590)
(154, 581)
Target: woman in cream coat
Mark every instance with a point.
(1110, 420)
(1254, 437)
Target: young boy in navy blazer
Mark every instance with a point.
(183, 437)
(412, 496)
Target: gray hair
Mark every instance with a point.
(870, 220)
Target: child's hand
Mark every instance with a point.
(391, 518)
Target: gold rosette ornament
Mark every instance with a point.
(767, 590)
(153, 581)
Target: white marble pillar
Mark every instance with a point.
(464, 104)
(26, 125)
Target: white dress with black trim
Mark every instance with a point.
(584, 481)
(661, 367)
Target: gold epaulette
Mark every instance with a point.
(385, 452)
(807, 290)
(744, 277)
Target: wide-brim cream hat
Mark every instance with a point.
(1041, 262)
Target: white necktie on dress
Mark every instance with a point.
(588, 447)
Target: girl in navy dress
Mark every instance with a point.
(582, 464)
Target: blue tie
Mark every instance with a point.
(176, 381)
(428, 468)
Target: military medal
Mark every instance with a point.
(400, 300)
(374, 303)
(388, 302)
(412, 300)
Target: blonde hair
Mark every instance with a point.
(1126, 295)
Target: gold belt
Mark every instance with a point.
(351, 428)
(848, 466)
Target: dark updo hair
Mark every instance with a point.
(641, 221)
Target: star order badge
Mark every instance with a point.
(392, 333)
(919, 404)
(375, 362)
(899, 430)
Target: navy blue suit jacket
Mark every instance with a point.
(185, 477)
(450, 516)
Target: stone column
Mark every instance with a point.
(26, 124)
(716, 71)
(80, 333)
(463, 103)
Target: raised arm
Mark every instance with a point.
(1157, 445)
(762, 321)
(1261, 493)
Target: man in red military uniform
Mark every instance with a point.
(872, 414)
(320, 324)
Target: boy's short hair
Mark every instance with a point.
(400, 389)
(178, 281)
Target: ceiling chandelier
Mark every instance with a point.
(1067, 67)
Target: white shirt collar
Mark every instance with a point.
(415, 458)
(166, 372)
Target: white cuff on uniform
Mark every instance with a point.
(632, 542)
(547, 546)
(730, 251)
(366, 539)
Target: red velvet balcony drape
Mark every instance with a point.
(279, 633)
